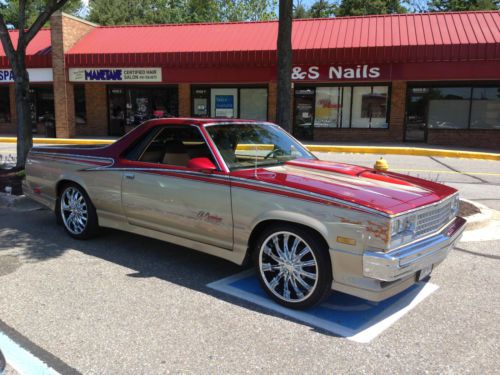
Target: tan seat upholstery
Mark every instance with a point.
(175, 154)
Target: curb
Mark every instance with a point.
(480, 219)
(406, 151)
(386, 150)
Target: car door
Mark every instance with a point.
(161, 193)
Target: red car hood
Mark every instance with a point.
(391, 193)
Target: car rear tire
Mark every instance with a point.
(293, 266)
(76, 212)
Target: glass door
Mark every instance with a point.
(416, 115)
(304, 114)
(117, 111)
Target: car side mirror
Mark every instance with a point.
(202, 165)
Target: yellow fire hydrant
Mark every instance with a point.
(381, 165)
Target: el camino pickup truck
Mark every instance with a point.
(244, 190)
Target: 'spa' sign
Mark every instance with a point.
(35, 74)
(115, 74)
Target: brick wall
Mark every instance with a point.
(394, 133)
(65, 32)
(184, 100)
(97, 111)
(465, 138)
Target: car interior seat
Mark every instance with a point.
(175, 153)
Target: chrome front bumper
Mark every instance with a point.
(412, 258)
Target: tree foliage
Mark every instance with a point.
(119, 12)
(10, 10)
(362, 7)
(27, 30)
(462, 5)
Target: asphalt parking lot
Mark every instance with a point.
(125, 303)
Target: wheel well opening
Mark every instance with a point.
(265, 224)
(61, 184)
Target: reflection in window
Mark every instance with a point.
(449, 107)
(253, 104)
(80, 107)
(485, 108)
(369, 107)
(4, 104)
(346, 107)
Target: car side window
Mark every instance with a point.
(175, 145)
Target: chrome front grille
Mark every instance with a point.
(433, 218)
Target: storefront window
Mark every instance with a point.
(42, 104)
(449, 107)
(328, 107)
(80, 107)
(130, 106)
(4, 105)
(369, 107)
(253, 104)
(485, 108)
(350, 107)
(230, 102)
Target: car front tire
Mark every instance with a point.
(293, 266)
(76, 212)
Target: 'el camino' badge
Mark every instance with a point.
(206, 216)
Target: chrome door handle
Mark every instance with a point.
(130, 176)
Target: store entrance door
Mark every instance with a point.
(416, 115)
(304, 114)
(117, 109)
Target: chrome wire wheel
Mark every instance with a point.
(74, 210)
(288, 267)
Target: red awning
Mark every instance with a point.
(38, 53)
(432, 37)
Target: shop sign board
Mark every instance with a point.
(35, 75)
(360, 72)
(115, 74)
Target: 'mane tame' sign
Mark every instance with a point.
(115, 74)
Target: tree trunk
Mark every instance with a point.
(24, 126)
(284, 94)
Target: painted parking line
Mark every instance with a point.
(343, 315)
(21, 360)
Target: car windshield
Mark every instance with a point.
(255, 145)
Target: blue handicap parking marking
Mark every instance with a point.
(341, 314)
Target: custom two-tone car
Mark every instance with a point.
(244, 190)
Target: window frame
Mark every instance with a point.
(140, 145)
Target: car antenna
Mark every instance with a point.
(255, 162)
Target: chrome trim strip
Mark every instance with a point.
(73, 156)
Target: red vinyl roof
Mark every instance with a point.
(38, 53)
(460, 36)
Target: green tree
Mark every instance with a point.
(120, 12)
(10, 10)
(462, 5)
(17, 59)
(322, 9)
(363, 7)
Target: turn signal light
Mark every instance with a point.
(346, 240)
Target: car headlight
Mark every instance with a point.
(403, 229)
